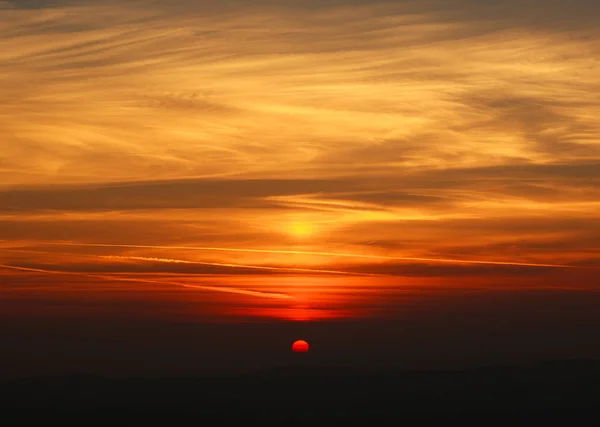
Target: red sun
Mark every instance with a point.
(300, 346)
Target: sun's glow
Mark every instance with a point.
(301, 229)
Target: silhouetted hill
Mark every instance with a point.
(317, 395)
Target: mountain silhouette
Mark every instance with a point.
(313, 395)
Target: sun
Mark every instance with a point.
(300, 346)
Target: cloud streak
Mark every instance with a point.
(113, 278)
(292, 252)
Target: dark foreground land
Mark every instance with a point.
(566, 392)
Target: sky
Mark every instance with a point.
(411, 183)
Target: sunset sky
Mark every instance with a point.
(299, 166)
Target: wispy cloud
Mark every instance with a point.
(273, 89)
(428, 132)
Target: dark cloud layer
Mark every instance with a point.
(202, 193)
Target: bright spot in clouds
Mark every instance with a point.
(301, 230)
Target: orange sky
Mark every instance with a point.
(312, 161)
